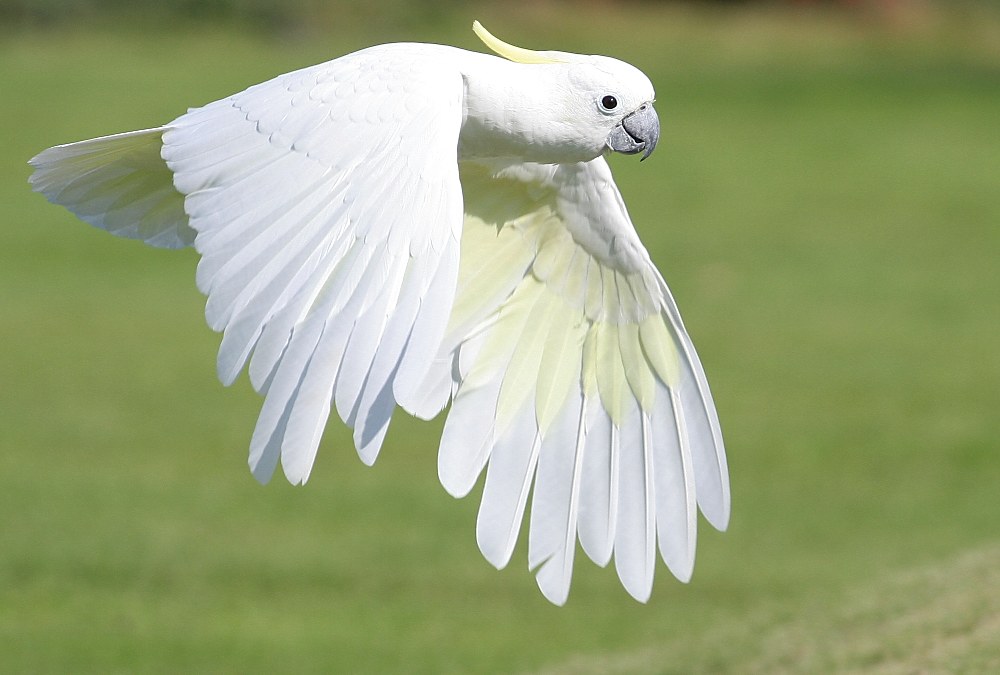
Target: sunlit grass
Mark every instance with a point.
(823, 204)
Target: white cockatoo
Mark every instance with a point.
(415, 225)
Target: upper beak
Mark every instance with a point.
(637, 132)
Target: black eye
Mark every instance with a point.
(609, 103)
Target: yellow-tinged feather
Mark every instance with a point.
(553, 256)
(503, 332)
(595, 291)
(646, 302)
(611, 308)
(589, 375)
(488, 259)
(561, 363)
(574, 285)
(611, 383)
(637, 372)
(660, 349)
(479, 243)
(626, 305)
(522, 372)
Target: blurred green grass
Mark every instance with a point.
(824, 204)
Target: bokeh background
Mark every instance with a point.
(825, 203)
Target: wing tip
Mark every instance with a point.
(717, 509)
(496, 554)
(260, 472)
(682, 570)
(453, 481)
(557, 594)
(641, 592)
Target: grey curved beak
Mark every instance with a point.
(638, 131)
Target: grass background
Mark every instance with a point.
(825, 204)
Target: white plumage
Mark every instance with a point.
(417, 226)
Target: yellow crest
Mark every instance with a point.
(512, 53)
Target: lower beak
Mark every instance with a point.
(638, 132)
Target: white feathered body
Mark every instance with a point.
(417, 225)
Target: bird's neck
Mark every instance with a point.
(517, 112)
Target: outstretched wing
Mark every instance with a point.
(328, 209)
(569, 367)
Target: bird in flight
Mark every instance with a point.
(425, 227)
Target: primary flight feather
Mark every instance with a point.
(418, 225)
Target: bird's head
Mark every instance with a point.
(591, 104)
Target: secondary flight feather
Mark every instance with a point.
(421, 226)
